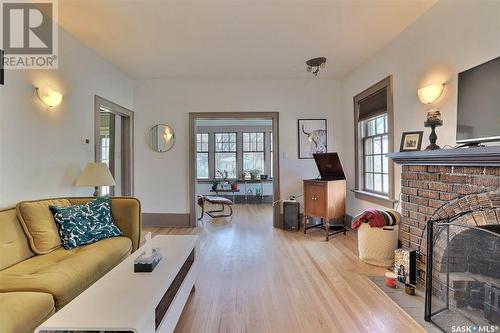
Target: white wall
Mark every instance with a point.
(162, 179)
(451, 37)
(41, 154)
(40, 150)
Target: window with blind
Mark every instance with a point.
(253, 152)
(225, 155)
(373, 127)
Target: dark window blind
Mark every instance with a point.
(373, 105)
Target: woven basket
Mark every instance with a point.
(376, 245)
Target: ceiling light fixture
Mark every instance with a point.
(313, 65)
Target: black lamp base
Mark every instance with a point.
(432, 146)
(433, 135)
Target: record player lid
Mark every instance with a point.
(329, 166)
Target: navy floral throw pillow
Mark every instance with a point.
(85, 224)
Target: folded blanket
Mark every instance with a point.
(376, 218)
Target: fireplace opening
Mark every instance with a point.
(464, 262)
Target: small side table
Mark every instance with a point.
(217, 191)
(254, 181)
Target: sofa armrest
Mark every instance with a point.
(126, 216)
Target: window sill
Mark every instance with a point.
(375, 198)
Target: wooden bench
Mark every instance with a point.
(223, 202)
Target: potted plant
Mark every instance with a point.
(234, 186)
(222, 178)
(215, 183)
(255, 173)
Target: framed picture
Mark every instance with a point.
(312, 136)
(411, 141)
(405, 265)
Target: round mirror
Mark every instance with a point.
(161, 138)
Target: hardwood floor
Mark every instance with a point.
(255, 278)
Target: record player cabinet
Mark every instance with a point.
(325, 199)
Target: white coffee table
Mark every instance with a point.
(135, 302)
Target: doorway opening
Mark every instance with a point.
(114, 142)
(234, 156)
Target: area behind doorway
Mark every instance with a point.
(229, 150)
(114, 137)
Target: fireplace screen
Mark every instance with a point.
(463, 274)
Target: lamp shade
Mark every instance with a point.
(430, 94)
(49, 96)
(95, 174)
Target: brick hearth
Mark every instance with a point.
(427, 188)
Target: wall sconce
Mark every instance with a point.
(428, 95)
(49, 96)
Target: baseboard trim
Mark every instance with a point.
(165, 220)
(348, 221)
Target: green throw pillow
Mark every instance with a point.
(85, 224)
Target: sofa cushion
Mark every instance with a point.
(22, 312)
(66, 273)
(85, 224)
(126, 213)
(39, 224)
(14, 245)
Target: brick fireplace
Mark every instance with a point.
(440, 182)
(462, 185)
(429, 191)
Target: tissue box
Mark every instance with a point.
(147, 264)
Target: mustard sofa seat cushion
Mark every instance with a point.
(39, 225)
(66, 273)
(22, 312)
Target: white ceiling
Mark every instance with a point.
(256, 39)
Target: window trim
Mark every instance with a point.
(360, 193)
(364, 154)
(270, 151)
(239, 130)
(203, 152)
(235, 152)
(243, 151)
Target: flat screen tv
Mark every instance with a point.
(478, 109)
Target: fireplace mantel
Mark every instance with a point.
(477, 156)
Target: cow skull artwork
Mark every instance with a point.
(316, 139)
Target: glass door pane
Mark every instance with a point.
(106, 144)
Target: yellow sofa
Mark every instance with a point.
(35, 286)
